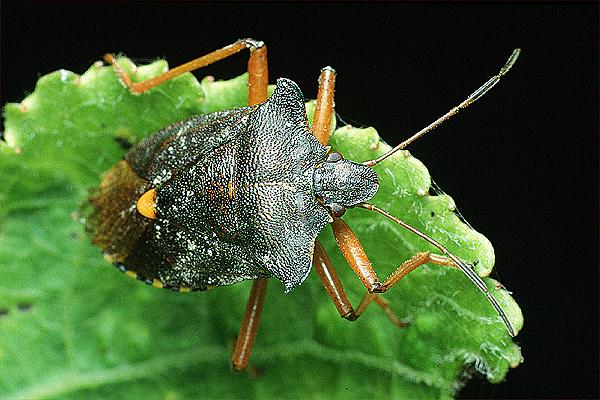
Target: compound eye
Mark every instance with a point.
(334, 157)
(337, 210)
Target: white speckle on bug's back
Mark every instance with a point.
(162, 177)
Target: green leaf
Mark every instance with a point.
(71, 326)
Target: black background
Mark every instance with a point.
(522, 164)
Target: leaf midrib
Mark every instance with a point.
(63, 384)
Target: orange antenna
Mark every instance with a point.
(473, 97)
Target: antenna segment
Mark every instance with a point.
(468, 271)
(473, 97)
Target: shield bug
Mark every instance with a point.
(242, 194)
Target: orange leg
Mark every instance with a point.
(357, 258)
(258, 81)
(323, 266)
(324, 105)
(245, 340)
(258, 75)
(347, 241)
(256, 57)
(331, 281)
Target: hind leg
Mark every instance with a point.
(257, 69)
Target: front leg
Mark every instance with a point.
(357, 258)
(331, 281)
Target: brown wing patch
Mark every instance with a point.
(115, 222)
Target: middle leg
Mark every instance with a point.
(323, 266)
(324, 105)
(258, 82)
(245, 339)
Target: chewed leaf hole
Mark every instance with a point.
(24, 307)
(21, 307)
(123, 142)
(124, 137)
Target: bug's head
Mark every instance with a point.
(340, 183)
